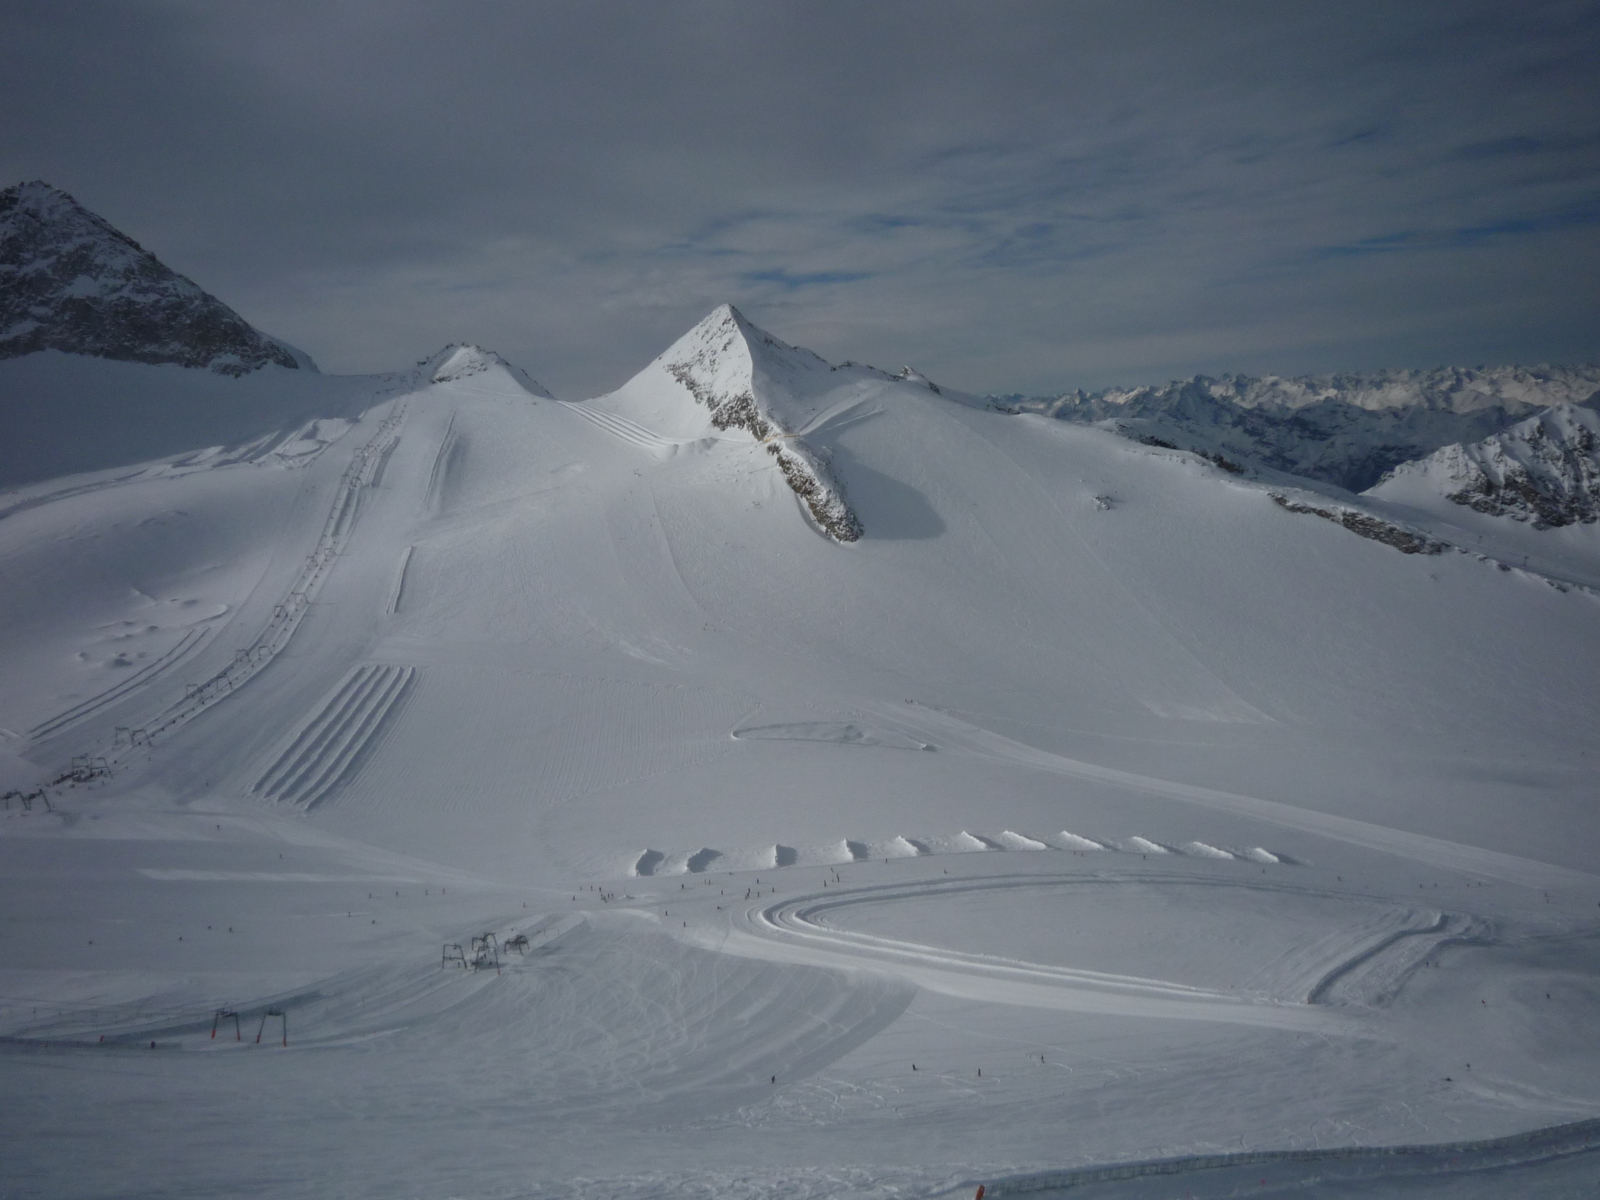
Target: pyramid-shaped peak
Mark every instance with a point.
(45, 201)
(71, 281)
(728, 379)
(723, 315)
(725, 340)
(735, 373)
(461, 360)
(723, 321)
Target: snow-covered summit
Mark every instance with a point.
(1544, 470)
(726, 377)
(459, 361)
(70, 281)
(726, 373)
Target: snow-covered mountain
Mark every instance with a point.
(1347, 430)
(774, 779)
(725, 377)
(69, 281)
(1544, 470)
(457, 361)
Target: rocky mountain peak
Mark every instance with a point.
(70, 281)
(728, 378)
(1544, 470)
(739, 372)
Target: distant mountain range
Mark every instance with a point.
(1348, 430)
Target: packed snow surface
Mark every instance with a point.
(460, 793)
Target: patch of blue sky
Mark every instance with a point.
(1024, 254)
(1519, 146)
(684, 249)
(482, 284)
(795, 280)
(988, 152)
(1134, 163)
(1577, 216)
(706, 236)
(1370, 135)
(870, 223)
(1574, 217)
(1008, 178)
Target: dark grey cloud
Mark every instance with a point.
(1013, 196)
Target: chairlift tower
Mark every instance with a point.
(485, 952)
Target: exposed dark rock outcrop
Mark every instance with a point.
(1368, 526)
(69, 281)
(718, 363)
(1544, 471)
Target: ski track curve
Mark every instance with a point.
(1398, 951)
(447, 443)
(794, 929)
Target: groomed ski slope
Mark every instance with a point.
(1194, 825)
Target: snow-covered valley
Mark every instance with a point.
(868, 792)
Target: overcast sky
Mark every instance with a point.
(1009, 196)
